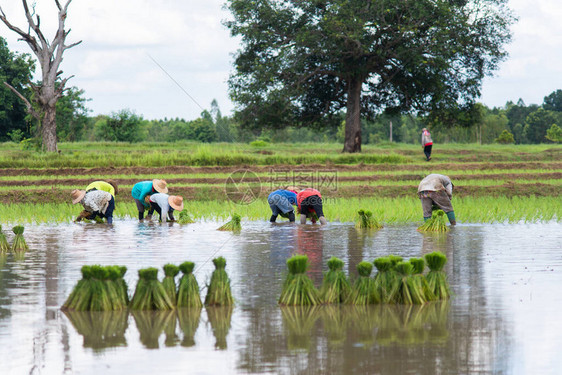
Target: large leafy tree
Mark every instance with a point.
(302, 61)
(17, 70)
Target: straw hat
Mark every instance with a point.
(160, 186)
(77, 195)
(176, 202)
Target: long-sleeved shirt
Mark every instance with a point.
(141, 190)
(426, 138)
(302, 195)
(96, 201)
(291, 197)
(103, 186)
(161, 200)
(436, 182)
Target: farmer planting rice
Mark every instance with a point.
(437, 190)
(110, 186)
(281, 203)
(95, 203)
(165, 205)
(143, 189)
(309, 202)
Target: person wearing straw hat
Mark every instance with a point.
(146, 188)
(281, 203)
(95, 203)
(165, 205)
(436, 190)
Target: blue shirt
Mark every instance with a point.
(291, 197)
(141, 190)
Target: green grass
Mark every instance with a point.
(386, 210)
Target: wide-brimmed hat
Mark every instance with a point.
(160, 186)
(77, 195)
(176, 202)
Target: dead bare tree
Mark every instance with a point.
(49, 54)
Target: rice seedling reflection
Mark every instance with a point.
(189, 318)
(100, 329)
(151, 325)
(220, 318)
(299, 322)
(335, 319)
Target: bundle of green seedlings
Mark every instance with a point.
(335, 285)
(100, 289)
(364, 292)
(418, 265)
(185, 217)
(436, 278)
(169, 281)
(366, 220)
(386, 281)
(188, 288)
(19, 243)
(298, 289)
(233, 225)
(150, 293)
(218, 290)
(124, 288)
(436, 223)
(4, 245)
(395, 259)
(409, 292)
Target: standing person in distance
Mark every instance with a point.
(146, 188)
(427, 143)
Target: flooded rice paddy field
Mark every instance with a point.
(503, 319)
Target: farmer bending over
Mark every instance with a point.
(310, 202)
(437, 190)
(165, 205)
(146, 188)
(281, 203)
(110, 186)
(96, 203)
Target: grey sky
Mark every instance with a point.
(114, 66)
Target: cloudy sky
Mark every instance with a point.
(171, 58)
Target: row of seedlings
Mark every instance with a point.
(396, 282)
(19, 243)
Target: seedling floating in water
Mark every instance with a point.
(218, 291)
(233, 225)
(365, 220)
(19, 243)
(436, 223)
(298, 289)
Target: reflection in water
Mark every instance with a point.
(220, 318)
(189, 318)
(310, 243)
(299, 322)
(335, 321)
(151, 324)
(100, 329)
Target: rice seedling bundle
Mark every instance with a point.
(335, 285)
(233, 225)
(218, 290)
(408, 291)
(220, 318)
(365, 220)
(4, 245)
(436, 278)
(436, 223)
(364, 289)
(100, 300)
(169, 281)
(19, 243)
(79, 298)
(114, 288)
(123, 287)
(386, 281)
(189, 322)
(298, 289)
(395, 259)
(188, 288)
(150, 293)
(418, 265)
(185, 217)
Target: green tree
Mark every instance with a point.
(302, 61)
(505, 138)
(16, 70)
(554, 134)
(202, 130)
(537, 124)
(122, 126)
(553, 102)
(72, 115)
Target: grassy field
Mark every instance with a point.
(493, 183)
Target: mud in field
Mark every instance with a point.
(133, 171)
(217, 192)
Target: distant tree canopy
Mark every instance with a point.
(303, 61)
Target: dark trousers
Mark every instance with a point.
(427, 151)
